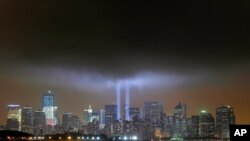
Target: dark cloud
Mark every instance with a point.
(110, 33)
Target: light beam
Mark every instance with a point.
(127, 100)
(118, 100)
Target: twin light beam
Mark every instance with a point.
(119, 86)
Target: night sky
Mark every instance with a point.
(197, 52)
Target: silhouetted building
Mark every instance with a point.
(70, 122)
(14, 117)
(224, 117)
(66, 121)
(206, 125)
(169, 125)
(110, 114)
(39, 123)
(50, 111)
(27, 119)
(195, 122)
(153, 112)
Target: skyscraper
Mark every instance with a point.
(87, 115)
(195, 121)
(27, 119)
(169, 125)
(224, 117)
(152, 112)
(102, 117)
(181, 122)
(110, 114)
(67, 121)
(180, 111)
(14, 117)
(39, 123)
(76, 123)
(206, 125)
(70, 122)
(50, 111)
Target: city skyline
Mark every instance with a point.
(123, 111)
(142, 124)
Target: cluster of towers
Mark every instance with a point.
(121, 118)
(40, 121)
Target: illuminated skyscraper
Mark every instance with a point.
(95, 116)
(27, 119)
(50, 111)
(14, 117)
(87, 115)
(206, 125)
(224, 117)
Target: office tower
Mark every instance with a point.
(14, 117)
(102, 117)
(195, 121)
(76, 123)
(224, 117)
(180, 111)
(181, 122)
(169, 125)
(27, 119)
(70, 122)
(50, 111)
(87, 115)
(39, 123)
(134, 111)
(152, 113)
(66, 121)
(110, 114)
(188, 130)
(206, 126)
